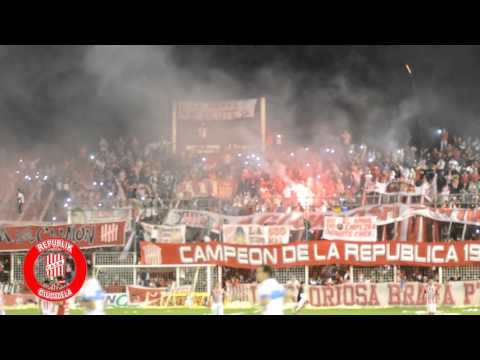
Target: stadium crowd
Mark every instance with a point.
(285, 178)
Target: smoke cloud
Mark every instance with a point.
(58, 97)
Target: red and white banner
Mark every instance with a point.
(22, 238)
(455, 294)
(390, 294)
(385, 214)
(361, 228)
(255, 234)
(314, 253)
(224, 110)
(165, 234)
(138, 295)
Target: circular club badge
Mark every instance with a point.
(61, 268)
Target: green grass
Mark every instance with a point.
(253, 311)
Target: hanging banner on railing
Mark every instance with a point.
(384, 214)
(165, 234)
(314, 253)
(89, 216)
(378, 295)
(359, 228)
(255, 234)
(22, 238)
(220, 110)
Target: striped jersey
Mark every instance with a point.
(431, 294)
(217, 296)
(48, 307)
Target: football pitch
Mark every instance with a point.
(253, 311)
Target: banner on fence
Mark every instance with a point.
(313, 253)
(220, 110)
(138, 295)
(22, 238)
(165, 234)
(117, 300)
(453, 294)
(255, 234)
(391, 294)
(359, 228)
(89, 216)
(384, 214)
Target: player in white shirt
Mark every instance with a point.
(431, 293)
(270, 292)
(216, 300)
(92, 297)
(2, 304)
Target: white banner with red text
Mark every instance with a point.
(313, 253)
(358, 228)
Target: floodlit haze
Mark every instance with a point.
(66, 95)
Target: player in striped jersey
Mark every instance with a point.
(216, 300)
(48, 307)
(431, 293)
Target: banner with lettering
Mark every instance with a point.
(89, 216)
(454, 294)
(384, 214)
(220, 110)
(165, 234)
(314, 253)
(360, 228)
(22, 238)
(255, 234)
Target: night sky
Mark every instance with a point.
(55, 93)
